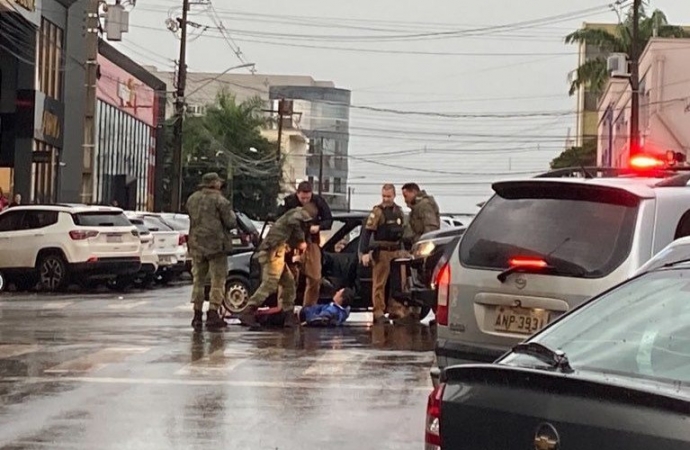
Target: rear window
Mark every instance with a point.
(101, 219)
(140, 226)
(588, 226)
(153, 223)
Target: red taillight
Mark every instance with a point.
(645, 162)
(93, 259)
(80, 235)
(182, 240)
(443, 286)
(527, 262)
(432, 432)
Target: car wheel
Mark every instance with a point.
(236, 294)
(52, 272)
(120, 284)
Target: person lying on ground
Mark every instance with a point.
(330, 315)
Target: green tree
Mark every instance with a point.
(577, 156)
(592, 74)
(227, 140)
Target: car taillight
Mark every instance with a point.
(443, 285)
(80, 235)
(432, 432)
(182, 240)
(536, 263)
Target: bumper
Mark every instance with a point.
(177, 267)
(450, 353)
(107, 267)
(148, 269)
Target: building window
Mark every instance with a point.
(326, 187)
(337, 185)
(196, 110)
(50, 59)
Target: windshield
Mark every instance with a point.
(101, 219)
(587, 228)
(639, 330)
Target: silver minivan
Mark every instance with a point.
(540, 247)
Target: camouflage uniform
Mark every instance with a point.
(286, 233)
(424, 217)
(211, 219)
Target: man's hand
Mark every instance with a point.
(366, 259)
(302, 246)
(314, 229)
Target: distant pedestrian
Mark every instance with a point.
(115, 203)
(311, 260)
(289, 232)
(385, 225)
(16, 201)
(211, 219)
(4, 202)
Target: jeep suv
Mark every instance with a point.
(54, 244)
(540, 247)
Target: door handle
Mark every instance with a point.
(39, 234)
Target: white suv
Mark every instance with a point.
(62, 242)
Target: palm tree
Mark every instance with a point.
(592, 74)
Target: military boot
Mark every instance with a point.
(290, 319)
(214, 321)
(198, 320)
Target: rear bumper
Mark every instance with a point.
(148, 269)
(108, 267)
(177, 267)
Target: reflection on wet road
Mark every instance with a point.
(102, 372)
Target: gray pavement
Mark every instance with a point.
(125, 371)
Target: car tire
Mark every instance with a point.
(236, 293)
(52, 272)
(120, 284)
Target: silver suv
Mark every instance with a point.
(541, 246)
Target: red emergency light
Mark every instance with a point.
(646, 162)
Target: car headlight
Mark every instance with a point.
(423, 249)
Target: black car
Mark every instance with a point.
(419, 269)
(613, 373)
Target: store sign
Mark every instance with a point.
(29, 9)
(39, 117)
(120, 89)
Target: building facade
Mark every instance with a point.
(129, 114)
(664, 105)
(36, 70)
(323, 115)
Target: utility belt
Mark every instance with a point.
(378, 247)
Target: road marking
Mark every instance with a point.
(188, 307)
(12, 350)
(219, 361)
(57, 305)
(127, 305)
(335, 363)
(96, 361)
(201, 382)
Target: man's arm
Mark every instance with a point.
(325, 214)
(431, 220)
(227, 215)
(368, 230)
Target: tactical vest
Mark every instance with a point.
(391, 230)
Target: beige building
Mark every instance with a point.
(664, 105)
(587, 101)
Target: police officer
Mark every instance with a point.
(385, 224)
(290, 231)
(210, 220)
(311, 259)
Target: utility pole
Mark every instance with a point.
(281, 110)
(88, 143)
(635, 80)
(176, 205)
(321, 167)
(349, 198)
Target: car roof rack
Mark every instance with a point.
(612, 172)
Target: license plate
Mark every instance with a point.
(520, 320)
(113, 238)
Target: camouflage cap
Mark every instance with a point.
(208, 179)
(309, 212)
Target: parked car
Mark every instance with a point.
(613, 373)
(412, 279)
(56, 244)
(540, 247)
(451, 221)
(676, 251)
(170, 246)
(149, 262)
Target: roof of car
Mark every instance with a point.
(67, 207)
(642, 187)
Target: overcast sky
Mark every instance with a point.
(438, 56)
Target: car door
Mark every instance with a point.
(9, 239)
(33, 235)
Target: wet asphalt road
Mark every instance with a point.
(114, 371)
